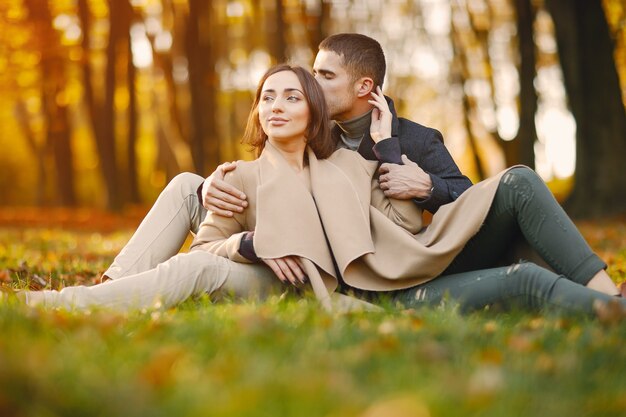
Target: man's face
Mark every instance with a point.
(337, 84)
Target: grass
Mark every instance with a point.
(286, 357)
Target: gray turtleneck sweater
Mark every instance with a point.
(353, 131)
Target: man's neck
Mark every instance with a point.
(359, 107)
(356, 127)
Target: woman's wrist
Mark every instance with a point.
(246, 247)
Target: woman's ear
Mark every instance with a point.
(365, 86)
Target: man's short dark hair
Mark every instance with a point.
(362, 55)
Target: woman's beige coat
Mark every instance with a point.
(378, 243)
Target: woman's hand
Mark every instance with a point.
(381, 117)
(287, 269)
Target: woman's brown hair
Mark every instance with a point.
(318, 131)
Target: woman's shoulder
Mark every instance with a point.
(247, 165)
(244, 170)
(352, 160)
(344, 154)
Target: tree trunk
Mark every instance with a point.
(102, 115)
(509, 149)
(38, 151)
(317, 25)
(108, 152)
(54, 99)
(592, 84)
(202, 86)
(94, 106)
(459, 75)
(324, 22)
(527, 133)
(59, 137)
(277, 42)
(173, 155)
(131, 144)
(176, 132)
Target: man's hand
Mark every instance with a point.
(219, 196)
(287, 269)
(404, 182)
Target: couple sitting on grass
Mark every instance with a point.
(339, 211)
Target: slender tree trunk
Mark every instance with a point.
(102, 114)
(166, 155)
(60, 137)
(174, 154)
(257, 39)
(54, 99)
(278, 43)
(131, 152)
(203, 86)
(317, 26)
(94, 106)
(108, 152)
(176, 132)
(196, 74)
(527, 133)
(39, 151)
(482, 37)
(131, 144)
(459, 74)
(592, 84)
(471, 139)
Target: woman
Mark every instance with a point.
(328, 218)
(138, 280)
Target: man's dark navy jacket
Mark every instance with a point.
(424, 146)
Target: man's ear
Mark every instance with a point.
(365, 86)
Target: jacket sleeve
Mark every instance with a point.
(220, 235)
(433, 157)
(401, 212)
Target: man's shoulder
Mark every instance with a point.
(409, 129)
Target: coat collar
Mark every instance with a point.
(287, 220)
(343, 205)
(293, 221)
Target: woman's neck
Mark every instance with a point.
(292, 152)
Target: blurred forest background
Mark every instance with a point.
(103, 101)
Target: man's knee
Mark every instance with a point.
(523, 269)
(531, 276)
(522, 182)
(520, 175)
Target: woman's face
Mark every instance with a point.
(283, 109)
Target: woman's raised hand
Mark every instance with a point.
(287, 269)
(380, 128)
